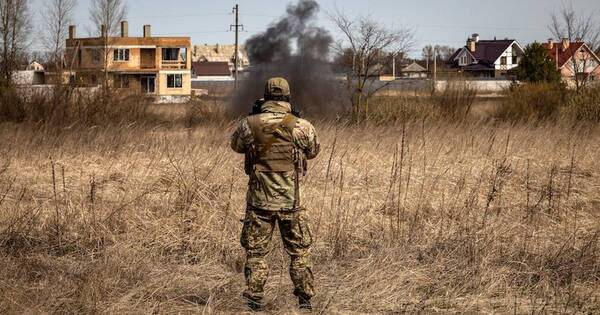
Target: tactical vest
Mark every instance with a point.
(274, 149)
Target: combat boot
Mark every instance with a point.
(304, 304)
(254, 305)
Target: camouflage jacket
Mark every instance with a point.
(275, 191)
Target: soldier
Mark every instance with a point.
(277, 145)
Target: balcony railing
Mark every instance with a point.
(173, 64)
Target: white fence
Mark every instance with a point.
(489, 86)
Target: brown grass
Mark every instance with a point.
(418, 215)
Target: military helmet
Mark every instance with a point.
(277, 87)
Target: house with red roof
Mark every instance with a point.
(487, 58)
(574, 59)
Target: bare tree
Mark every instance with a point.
(368, 44)
(574, 27)
(443, 53)
(106, 16)
(15, 27)
(57, 17)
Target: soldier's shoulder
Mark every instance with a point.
(305, 125)
(304, 122)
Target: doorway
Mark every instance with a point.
(148, 84)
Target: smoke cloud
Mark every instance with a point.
(294, 48)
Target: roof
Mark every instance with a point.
(206, 69)
(414, 67)
(488, 51)
(131, 41)
(478, 67)
(218, 53)
(564, 55)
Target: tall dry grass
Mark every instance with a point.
(415, 215)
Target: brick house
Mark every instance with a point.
(574, 58)
(156, 66)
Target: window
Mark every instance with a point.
(170, 54)
(122, 81)
(174, 81)
(183, 54)
(515, 60)
(121, 55)
(463, 60)
(95, 56)
(503, 61)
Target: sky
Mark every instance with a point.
(442, 22)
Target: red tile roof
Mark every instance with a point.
(206, 69)
(563, 54)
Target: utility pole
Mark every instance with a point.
(434, 69)
(236, 26)
(394, 65)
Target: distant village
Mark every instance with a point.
(172, 67)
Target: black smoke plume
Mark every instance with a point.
(294, 48)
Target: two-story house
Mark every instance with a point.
(156, 66)
(487, 58)
(574, 58)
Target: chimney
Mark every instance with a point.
(550, 43)
(471, 45)
(124, 29)
(72, 31)
(475, 37)
(565, 43)
(103, 31)
(147, 31)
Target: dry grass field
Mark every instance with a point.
(427, 216)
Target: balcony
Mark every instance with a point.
(173, 65)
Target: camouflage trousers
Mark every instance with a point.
(297, 239)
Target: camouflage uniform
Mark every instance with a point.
(273, 197)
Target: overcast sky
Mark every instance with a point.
(435, 21)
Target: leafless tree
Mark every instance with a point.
(15, 27)
(57, 16)
(106, 16)
(443, 53)
(368, 43)
(108, 13)
(572, 26)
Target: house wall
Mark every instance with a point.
(509, 53)
(161, 84)
(469, 58)
(584, 59)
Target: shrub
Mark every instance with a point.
(393, 109)
(11, 106)
(200, 111)
(585, 105)
(455, 100)
(64, 106)
(532, 101)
